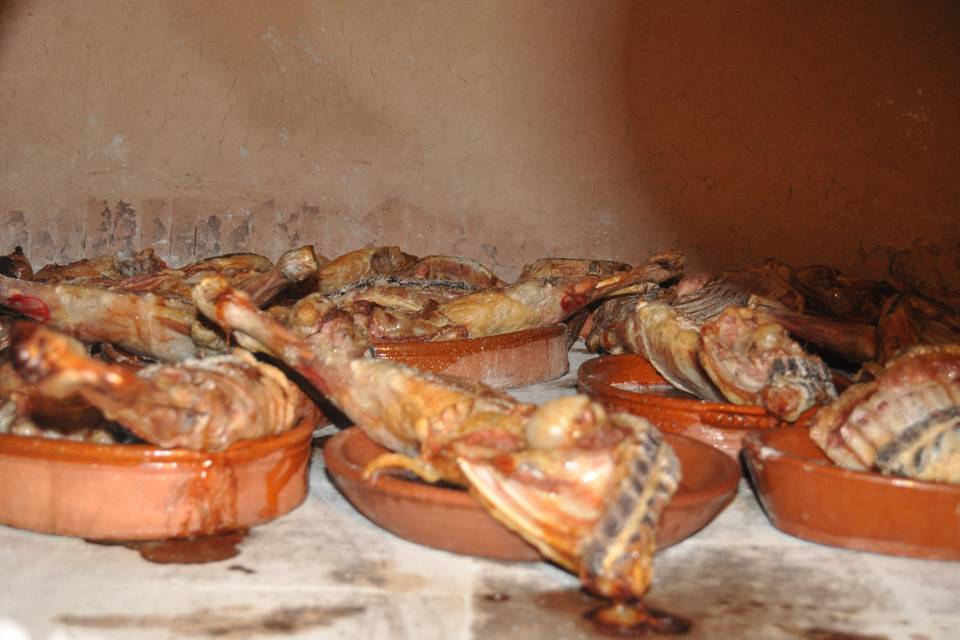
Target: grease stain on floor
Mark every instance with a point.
(229, 623)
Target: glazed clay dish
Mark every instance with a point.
(451, 519)
(629, 382)
(507, 360)
(806, 495)
(142, 492)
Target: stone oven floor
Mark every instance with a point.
(324, 571)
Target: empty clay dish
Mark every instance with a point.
(507, 360)
(630, 383)
(453, 520)
(806, 495)
(143, 492)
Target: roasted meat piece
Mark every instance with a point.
(115, 267)
(771, 281)
(908, 320)
(152, 325)
(561, 267)
(150, 315)
(415, 414)
(586, 488)
(543, 301)
(671, 342)
(835, 295)
(361, 263)
(197, 404)
(905, 423)
(453, 269)
(400, 307)
(588, 492)
(752, 360)
(16, 265)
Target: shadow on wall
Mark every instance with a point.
(808, 132)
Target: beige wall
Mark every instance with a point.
(497, 129)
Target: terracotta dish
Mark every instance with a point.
(451, 519)
(630, 383)
(507, 360)
(142, 492)
(806, 495)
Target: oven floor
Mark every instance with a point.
(325, 571)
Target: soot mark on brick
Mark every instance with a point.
(207, 238)
(115, 230)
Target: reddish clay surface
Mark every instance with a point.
(806, 495)
(142, 492)
(507, 360)
(451, 519)
(720, 424)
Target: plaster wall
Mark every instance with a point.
(500, 130)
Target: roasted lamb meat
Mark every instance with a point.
(453, 269)
(586, 488)
(148, 314)
(906, 422)
(359, 264)
(752, 360)
(197, 404)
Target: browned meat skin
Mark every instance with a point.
(146, 324)
(361, 263)
(16, 265)
(833, 294)
(671, 342)
(404, 320)
(707, 302)
(152, 315)
(114, 267)
(400, 292)
(909, 320)
(929, 270)
(608, 321)
(386, 307)
(752, 360)
(5, 322)
(825, 430)
(293, 266)
(588, 492)
(231, 266)
(563, 267)
(397, 307)
(544, 301)
(385, 323)
(595, 486)
(906, 422)
(771, 281)
(35, 410)
(405, 410)
(113, 355)
(197, 404)
(14, 420)
(853, 341)
(689, 284)
(453, 268)
(566, 267)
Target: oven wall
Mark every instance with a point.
(501, 130)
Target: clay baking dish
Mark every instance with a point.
(453, 520)
(142, 492)
(507, 360)
(806, 495)
(630, 383)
